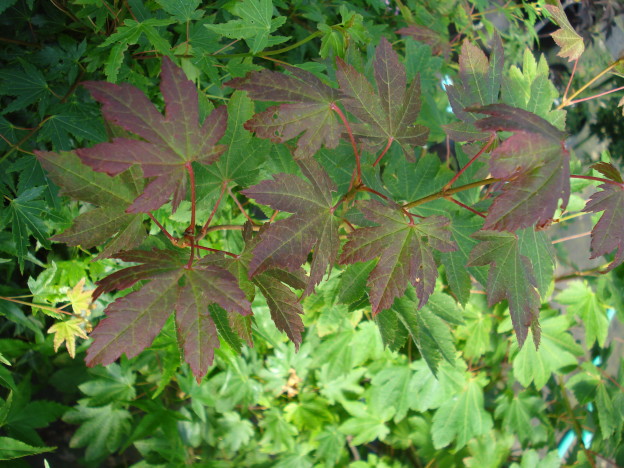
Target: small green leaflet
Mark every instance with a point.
(510, 277)
(571, 43)
(112, 195)
(388, 114)
(182, 10)
(12, 448)
(404, 249)
(255, 26)
(27, 86)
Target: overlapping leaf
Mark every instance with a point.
(286, 243)
(510, 277)
(571, 43)
(534, 164)
(306, 110)
(478, 84)
(391, 112)
(169, 143)
(608, 233)
(440, 45)
(404, 250)
(133, 321)
(111, 195)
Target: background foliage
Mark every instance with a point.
(350, 395)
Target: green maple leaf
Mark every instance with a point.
(388, 114)
(133, 321)
(366, 424)
(111, 195)
(571, 43)
(66, 332)
(169, 143)
(102, 429)
(510, 277)
(183, 11)
(307, 109)
(27, 85)
(26, 214)
(12, 448)
(286, 243)
(404, 249)
(534, 164)
(478, 84)
(461, 418)
(255, 26)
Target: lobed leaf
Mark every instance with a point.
(169, 144)
(571, 43)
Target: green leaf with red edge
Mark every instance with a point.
(111, 195)
(510, 277)
(404, 249)
(571, 43)
(169, 143)
(478, 84)
(133, 321)
(608, 233)
(391, 112)
(534, 165)
(307, 109)
(286, 243)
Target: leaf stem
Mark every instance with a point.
(446, 193)
(189, 168)
(598, 179)
(163, 229)
(217, 251)
(472, 210)
(596, 95)
(385, 150)
(565, 94)
(358, 168)
(16, 146)
(566, 102)
(575, 236)
(268, 53)
(204, 230)
(240, 207)
(469, 163)
(39, 306)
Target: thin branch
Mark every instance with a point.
(189, 168)
(214, 210)
(565, 94)
(566, 102)
(575, 236)
(385, 150)
(596, 96)
(446, 193)
(217, 251)
(173, 240)
(597, 179)
(472, 210)
(39, 306)
(240, 207)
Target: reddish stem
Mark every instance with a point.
(217, 251)
(472, 210)
(364, 188)
(240, 207)
(358, 168)
(189, 265)
(162, 228)
(469, 163)
(385, 150)
(595, 96)
(598, 179)
(189, 168)
(214, 210)
(565, 94)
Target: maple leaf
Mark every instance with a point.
(404, 249)
(134, 320)
(533, 162)
(80, 299)
(66, 332)
(510, 277)
(571, 43)
(389, 114)
(286, 243)
(307, 109)
(608, 233)
(112, 195)
(169, 143)
(439, 44)
(478, 84)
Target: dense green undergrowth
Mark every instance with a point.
(308, 234)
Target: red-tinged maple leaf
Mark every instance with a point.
(307, 109)
(404, 250)
(534, 164)
(608, 233)
(286, 243)
(133, 321)
(169, 143)
(389, 113)
(478, 84)
(111, 195)
(571, 43)
(439, 44)
(510, 277)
